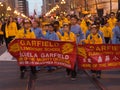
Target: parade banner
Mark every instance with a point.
(99, 57)
(35, 52)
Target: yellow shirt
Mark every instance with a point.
(83, 26)
(68, 36)
(112, 22)
(94, 39)
(1, 32)
(11, 29)
(28, 34)
(107, 31)
(44, 33)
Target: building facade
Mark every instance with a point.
(22, 6)
(92, 6)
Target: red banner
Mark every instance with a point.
(34, 52)
(99, 57)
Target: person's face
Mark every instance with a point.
(68, 17)
(35, 24)
(45, 28)
(73, 21)
(93, 31)
(27, 25)
(118, 24)
(66, 28)
(50, 28)
(56, 25)
(112, 16)
(107, 24)
(11, 19)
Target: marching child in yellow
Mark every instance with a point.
(107, 32)
(94, 38)
(67, 35)
(26, 32)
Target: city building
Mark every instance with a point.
(22, 6)
(93, 6)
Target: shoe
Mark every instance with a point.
(22, 75)
(98, 76)
(73, 79)
(67, 76)
(34, 76)
(93, 75)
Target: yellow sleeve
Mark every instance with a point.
(73, 36)
(6, 31)
(59, 35)
(33, 35)
(15, 28)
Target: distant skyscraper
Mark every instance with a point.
(23, 6)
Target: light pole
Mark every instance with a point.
(110, 5)
(118, 4)
(9, 10)
(63, 2)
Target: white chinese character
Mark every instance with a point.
(99, 59)
(84, 60)
(115, 58)
(89, 60)
(107, 58)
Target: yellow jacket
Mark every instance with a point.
(1, 32)
(68, 36)
(25, 34)
(94, 39)
(83, 26)
(65, 20)
(11, 29)
(112, 22)
(107, 31)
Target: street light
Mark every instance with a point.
(63, 2)
(1, 4)
(9, 8)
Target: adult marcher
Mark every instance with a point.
(51, 35)
(25, 33)
(116, 34)
(10, 30)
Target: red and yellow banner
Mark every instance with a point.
(99, 57)
(34, 52)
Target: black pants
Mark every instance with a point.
(1, 39)
(33, 69)
(97, 72)
(9, 39)
(107, 40)
(73, 72)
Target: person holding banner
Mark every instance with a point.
(51, 35)
(67, 35)
(116, 34)
(26, 32)
(94, 38)
(75, 28)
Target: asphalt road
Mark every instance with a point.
(10, 79)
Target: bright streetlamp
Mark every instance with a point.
(9, 8)
(63, 2)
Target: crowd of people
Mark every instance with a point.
(88, 29)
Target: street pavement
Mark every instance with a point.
(56, 80)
